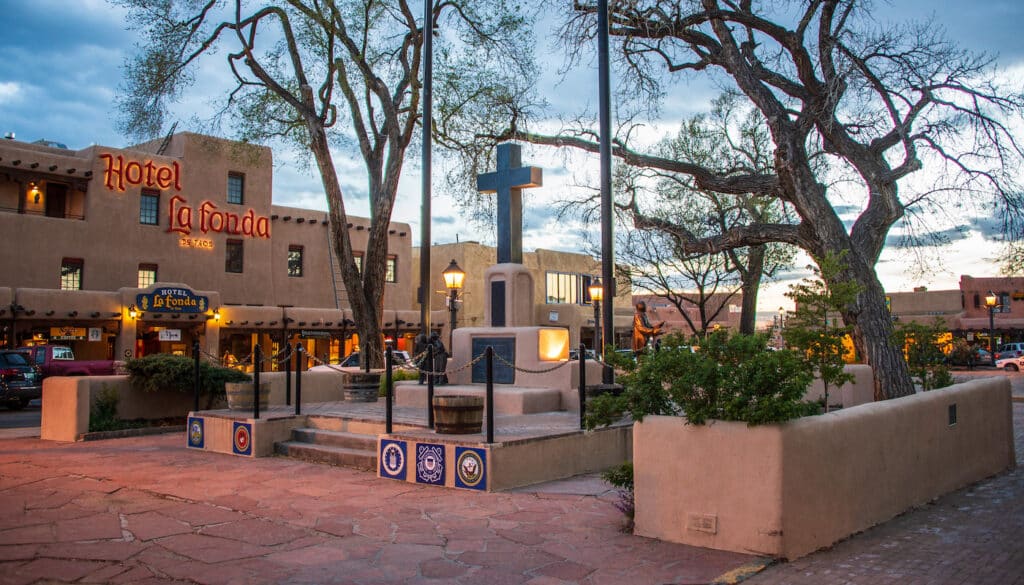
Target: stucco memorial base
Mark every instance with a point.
(789, 489)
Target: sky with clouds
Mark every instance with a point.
(60, 68)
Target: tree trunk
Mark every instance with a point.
(749, 288)
(872, 337)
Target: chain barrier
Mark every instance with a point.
(527, 371)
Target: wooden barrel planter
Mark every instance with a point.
(362, 386)
(458, 415)
(240, 395)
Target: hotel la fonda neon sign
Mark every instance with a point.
(190, 223)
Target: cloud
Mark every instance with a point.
(10, 92)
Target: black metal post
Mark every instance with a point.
(605, 140)
(583, 383)
(388, 389)
(428, 106)
(195, 359)
(430, 386)
(992, 334)
(257, 357)
(453, 309)
(598, 349)
(490, 394)
(298, 377)
(287, 373)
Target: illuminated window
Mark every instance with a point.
(294, 260)
(359, 261)
(236, 189)
(563, 288)
(147, 275)
(233, 257)
(391, 272)
(71, 273)
(149, 207)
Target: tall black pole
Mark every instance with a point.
(607, 224)
(428, 112)
(992, 334)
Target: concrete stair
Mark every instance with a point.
(341, 448)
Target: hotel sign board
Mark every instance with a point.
(172, 300)
(67, 333)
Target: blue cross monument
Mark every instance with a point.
(508, 181)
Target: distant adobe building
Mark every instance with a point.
(725, 309)
(125, 252)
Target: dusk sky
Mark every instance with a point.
(60, 67)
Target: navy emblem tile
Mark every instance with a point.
(430, 463)
(470, 468)
(392, 459)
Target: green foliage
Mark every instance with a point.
(622, 478)
(732, 378)
(922, 346)
(397, 375)
(963, 354)
(162, 372)
(815, 328)
(104, 411)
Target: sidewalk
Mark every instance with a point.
(146, 510)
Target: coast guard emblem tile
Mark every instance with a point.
(196, 438)
(430, 464)
(392, 459)
(241, 443)
(470, 468)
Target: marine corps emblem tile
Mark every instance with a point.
(242, 439)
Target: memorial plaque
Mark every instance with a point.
(504, 347)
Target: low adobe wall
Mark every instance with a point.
(789, 489)
(859, 391)
(68, 400)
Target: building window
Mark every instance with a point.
(71, 273)
(391, 272)
(563, 288)
(233, 256)
(147, 275)
(236, 189)
(149, 207)
(1004, 302)
(294, 260)
(358, 257)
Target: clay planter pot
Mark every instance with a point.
(240, 395)
(458, 415)
(362, 386)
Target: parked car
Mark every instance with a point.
(1011, 364)
(976, 356)
(1007, 350)
(59, 360)
(20, 381)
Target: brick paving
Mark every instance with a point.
(146, 510)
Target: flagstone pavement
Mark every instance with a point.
(146, 510)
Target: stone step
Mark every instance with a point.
(508, 400)
(335, 439)
(339, 456)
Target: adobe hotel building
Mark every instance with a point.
(126, 252)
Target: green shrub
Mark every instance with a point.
(396, 376)
(104, 411)
(733, 378)
(622, 478)
(162, 372)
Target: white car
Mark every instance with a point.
(1011, 364)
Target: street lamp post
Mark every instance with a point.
(990, 302)
(453, 278)
(596, 290)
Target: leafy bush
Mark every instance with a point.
(732, 378)
(397, 375)
(104, 412)
(622, 478)
(922, 345)
(164, 371)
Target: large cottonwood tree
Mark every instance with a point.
(881, 102)
(323, 74)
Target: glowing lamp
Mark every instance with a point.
(132, 311)
(553, 344)
(596, 290)
(216, 314)
(453, 276)
(990, 299)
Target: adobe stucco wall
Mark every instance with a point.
(787, 490)
(860, 391)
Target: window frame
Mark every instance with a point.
(66, 279)
(229, 195)
(292, 273)
(230, 261)
(391, 270)
(144, 266)
(145, 196)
